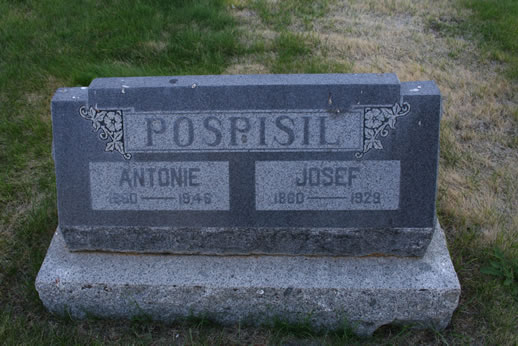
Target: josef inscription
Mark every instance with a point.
(159, 185)
(327, 185)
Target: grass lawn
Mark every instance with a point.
(469, 47)
(496, 22)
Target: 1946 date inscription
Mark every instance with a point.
(182, 186)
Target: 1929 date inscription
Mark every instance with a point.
(327, 185)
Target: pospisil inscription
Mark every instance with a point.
(291, 164)
(327, 185)
(159, 186)
(295, 130)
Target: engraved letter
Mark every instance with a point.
(323, 140)
(262, 131)
(216, 131)
(352, 175)
(288, 130)
(302, 182)
(152, 129)
(314, 176)
(340, 176)
(163, 177)
(176, 176)
(151, 173)
(193, 177)
(190, 132)
(138, 177)
(305, 140)
(125, 178)
(327, 172)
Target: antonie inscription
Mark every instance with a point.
(159, 185)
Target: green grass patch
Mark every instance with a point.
(504, 267)
(281, 14)
(497, 23)
(302, 53)
(77, 42)
(487, 305)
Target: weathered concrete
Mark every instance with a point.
(366, 292)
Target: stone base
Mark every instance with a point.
(365, 293)
(405, 242)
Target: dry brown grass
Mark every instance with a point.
(479, 156)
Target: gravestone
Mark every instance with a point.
(328, 169)
(268, 164)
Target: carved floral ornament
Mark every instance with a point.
(377, 121)
(376, 124)
(109, 123)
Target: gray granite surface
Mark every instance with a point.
(365, 292)
(248, 164)
(250, 240)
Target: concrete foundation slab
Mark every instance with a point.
(365, 292)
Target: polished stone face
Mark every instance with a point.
(293, 164)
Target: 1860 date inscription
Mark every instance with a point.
(327, 185)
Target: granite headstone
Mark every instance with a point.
(183, 173)
(337, 164)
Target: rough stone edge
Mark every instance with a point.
(403, 242)
(254, 289)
